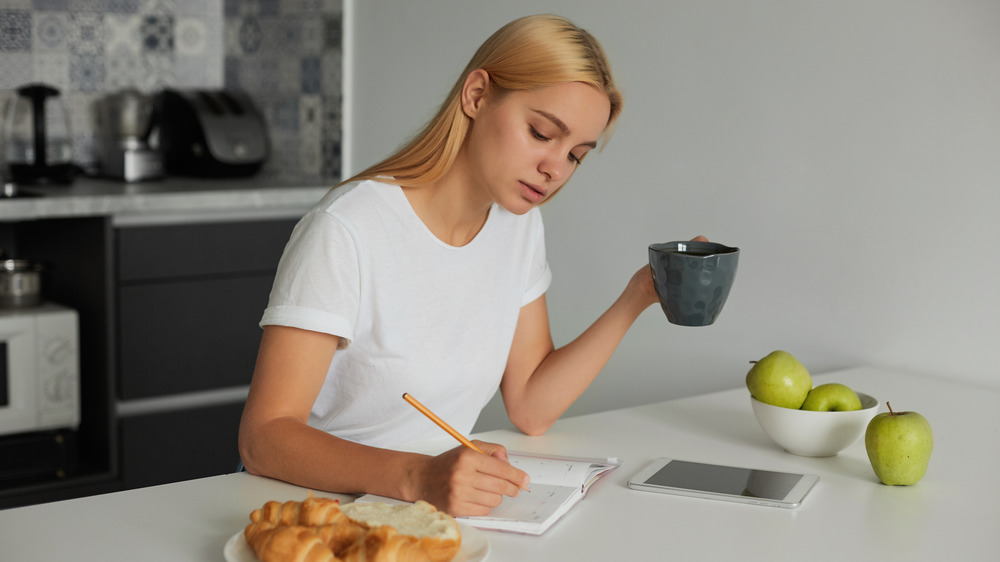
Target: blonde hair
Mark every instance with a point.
(527, 53)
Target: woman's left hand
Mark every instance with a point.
(641, 285)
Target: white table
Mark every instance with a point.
(952, 514)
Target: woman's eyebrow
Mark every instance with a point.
(562, 126)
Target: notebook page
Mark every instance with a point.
(529, 508)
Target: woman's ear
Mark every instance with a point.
(477, 85)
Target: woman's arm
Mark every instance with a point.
(275, 440)
(541, 382)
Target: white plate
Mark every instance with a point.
(475, 547)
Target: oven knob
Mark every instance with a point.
(57, 351)
(59, 388)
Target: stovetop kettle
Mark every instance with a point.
(38, 140)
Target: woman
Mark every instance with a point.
(426, 274)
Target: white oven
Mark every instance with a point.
(39, 369)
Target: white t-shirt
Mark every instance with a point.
(415, 314)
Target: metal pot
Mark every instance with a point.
(20, 283)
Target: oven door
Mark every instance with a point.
(18, 387)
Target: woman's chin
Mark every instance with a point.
(517, 207)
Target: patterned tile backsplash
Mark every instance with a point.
(286, 54)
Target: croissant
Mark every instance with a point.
(288, 543)
(310, 512)
(256, 529)
(385, 544)
(316, 530)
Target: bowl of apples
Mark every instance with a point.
(809, 421)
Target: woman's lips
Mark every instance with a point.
(532, 193)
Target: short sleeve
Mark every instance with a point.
(317, 283)
(539, 274)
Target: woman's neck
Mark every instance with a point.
(453, 208)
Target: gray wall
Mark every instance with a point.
(850, 148)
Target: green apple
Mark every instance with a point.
(779, 379)
(899, 446)
(832, 397)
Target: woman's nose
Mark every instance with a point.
(553, 169)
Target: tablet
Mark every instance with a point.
(730, 483)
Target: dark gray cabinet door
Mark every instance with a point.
(189, 336)
(179, 445)
(189, 299)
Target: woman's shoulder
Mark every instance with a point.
(352, 197)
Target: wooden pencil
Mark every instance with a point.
(441, 423)
(444, 425)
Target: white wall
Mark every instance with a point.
(850, 148)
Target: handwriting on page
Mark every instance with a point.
(537, 505)
(544, 471)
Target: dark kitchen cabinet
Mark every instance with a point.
(189, 335)
(189, 299)
(180, 444)
(168, 318)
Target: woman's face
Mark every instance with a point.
(524, 145)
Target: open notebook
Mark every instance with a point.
(557, 484)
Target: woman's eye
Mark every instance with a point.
(537, 135)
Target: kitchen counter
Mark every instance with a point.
(952, 512)
(177, 197)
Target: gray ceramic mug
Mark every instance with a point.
(693, 279)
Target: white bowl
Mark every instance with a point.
(814, 434)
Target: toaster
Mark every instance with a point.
(210, 133)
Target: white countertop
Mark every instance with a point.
(952, 513)
(97, 197)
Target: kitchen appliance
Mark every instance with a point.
(38, 140)
(39, 369)
(126, 124)
(20, 283)
(42, 455)
(211, 133)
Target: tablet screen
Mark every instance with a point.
(725, 480)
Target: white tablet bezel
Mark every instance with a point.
(793, 499)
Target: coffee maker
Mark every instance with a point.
(37, 137)
(127, 128)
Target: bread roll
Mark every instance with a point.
(384, 544)
(341, 536)
(436, 532)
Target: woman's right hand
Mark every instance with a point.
(466, 482)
